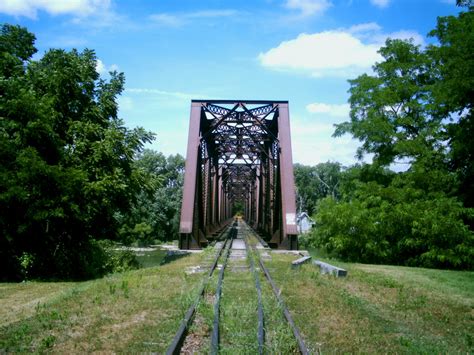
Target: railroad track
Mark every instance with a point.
(237, 241)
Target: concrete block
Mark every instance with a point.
(298, 262)
(326, 268)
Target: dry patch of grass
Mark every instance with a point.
(20, 300)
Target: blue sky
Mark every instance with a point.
(171, 52)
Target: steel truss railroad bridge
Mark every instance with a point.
(239, 153)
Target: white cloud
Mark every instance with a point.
(211, 13)
(308, 7)
(125, 103)
(341, 110)
(178, 19)
(166, 20)
(30, 8)
(373, 33)
(175, 94)
(68, 41)
(380, 3)
(312, 143)
(102, 69)
(329, 53)
(342, 53)
(365, 28)
(404, 34)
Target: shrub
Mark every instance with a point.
(396, 226)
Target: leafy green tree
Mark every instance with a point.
(155, 214)
(66, 159)
(417, 108)
(391, 112)
(396, 224)
(454, 92)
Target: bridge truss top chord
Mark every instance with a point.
(239, 152)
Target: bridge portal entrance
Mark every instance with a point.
(239, 158)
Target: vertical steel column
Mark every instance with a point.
(219, 216)
(257, 199)
(288, 199)
(187, 241)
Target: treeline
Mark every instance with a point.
(415, 109)
(72, 176)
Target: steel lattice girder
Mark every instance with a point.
(239, 151)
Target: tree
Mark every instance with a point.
(66, 159)
(391, 112)
(155, 214)
(417, 107)
(454, 92)
(396, 224)
(316, 182)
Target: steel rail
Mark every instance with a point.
(179, 337)
(276, 291)
(261, 320)
(217, 302)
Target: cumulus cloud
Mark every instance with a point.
(337, 110)
(330, 52)
(339, 53)
(102, 69)
(404, 34)
(380, 3)
(313, 143)
(30, 8)
(308, 7)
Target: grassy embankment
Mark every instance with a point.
(135, 311)
(375, 309)
(380, 308)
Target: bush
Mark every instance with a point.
(396, 226)
(111, 259)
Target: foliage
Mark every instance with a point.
(316, 182)
(454, 91)
(391, 112)
(66, 159)
(117, 259)
(238, 208)
(416, 109)
(155, 214)
(396, 225)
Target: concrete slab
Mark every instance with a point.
(326, 268)
(298, 262)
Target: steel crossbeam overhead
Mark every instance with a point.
(239, 154)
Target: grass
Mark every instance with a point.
(238, 310)
(238, 316)
(375, 309)
(380, 308)
(136, 311)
